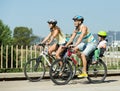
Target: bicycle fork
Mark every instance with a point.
(37, 63)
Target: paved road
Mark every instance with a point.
(110, 84)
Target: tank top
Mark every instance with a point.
(60, 38)
(88, 38)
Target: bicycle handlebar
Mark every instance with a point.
(42, 44)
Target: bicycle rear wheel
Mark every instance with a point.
(97, 72)
(34, 70)
(61, 72)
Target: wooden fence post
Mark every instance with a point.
(12, 56)
(21, 56)
(16, 56)
(1, 56)
(35, 51)
(31, 51)
(6, 56)
(26, 54)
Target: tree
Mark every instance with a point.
(5, 39)
(5, 34)
(23, 36)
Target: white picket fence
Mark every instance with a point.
(15, 57)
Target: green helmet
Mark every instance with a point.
(102, 33)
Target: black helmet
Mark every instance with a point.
(52, 21)
(77, 17)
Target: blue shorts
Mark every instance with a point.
(87, 48)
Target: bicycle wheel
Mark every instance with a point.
(97, 72)
(73, 66)
(60, 72)
(34, 70)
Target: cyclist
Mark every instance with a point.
(84, 42)
(55, 33)
(101, 46)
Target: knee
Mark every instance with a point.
(83, 55)
(57, 56)
(49, 51)
(76, 49)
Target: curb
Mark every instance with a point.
(21, 76)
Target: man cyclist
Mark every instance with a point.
(84, 42)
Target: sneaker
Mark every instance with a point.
(82, 75)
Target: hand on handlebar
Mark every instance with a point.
(71, 46)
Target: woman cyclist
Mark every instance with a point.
(55, 33)
(84, 42)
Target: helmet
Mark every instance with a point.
(52, 21)
(77, 17)
(102, 33)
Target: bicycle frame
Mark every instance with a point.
(44, 54)
(69, 54)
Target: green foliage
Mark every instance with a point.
(23, 36)
(11, 70)
(5, 34)
(5, 39)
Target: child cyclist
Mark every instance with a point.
(101, 46)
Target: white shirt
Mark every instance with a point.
(102, 44)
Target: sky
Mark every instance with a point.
(98, 14)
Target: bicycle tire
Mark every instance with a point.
(97, 72)
(34, 70)
(60, 75)
(73, 66)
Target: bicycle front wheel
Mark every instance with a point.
(97, 72)
(61, 72)
(73, 66)
(34, 70)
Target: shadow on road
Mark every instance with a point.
(87, 82)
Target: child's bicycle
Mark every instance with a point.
(34, 69)
(96, 72)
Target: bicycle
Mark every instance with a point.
(34, 69)
(96, 72)
(62, 72)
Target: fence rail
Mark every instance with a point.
(16, 56)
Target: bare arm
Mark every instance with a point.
(55, 33)
(84, 32)
(46, 38)
(103, 46)
(71, 38)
